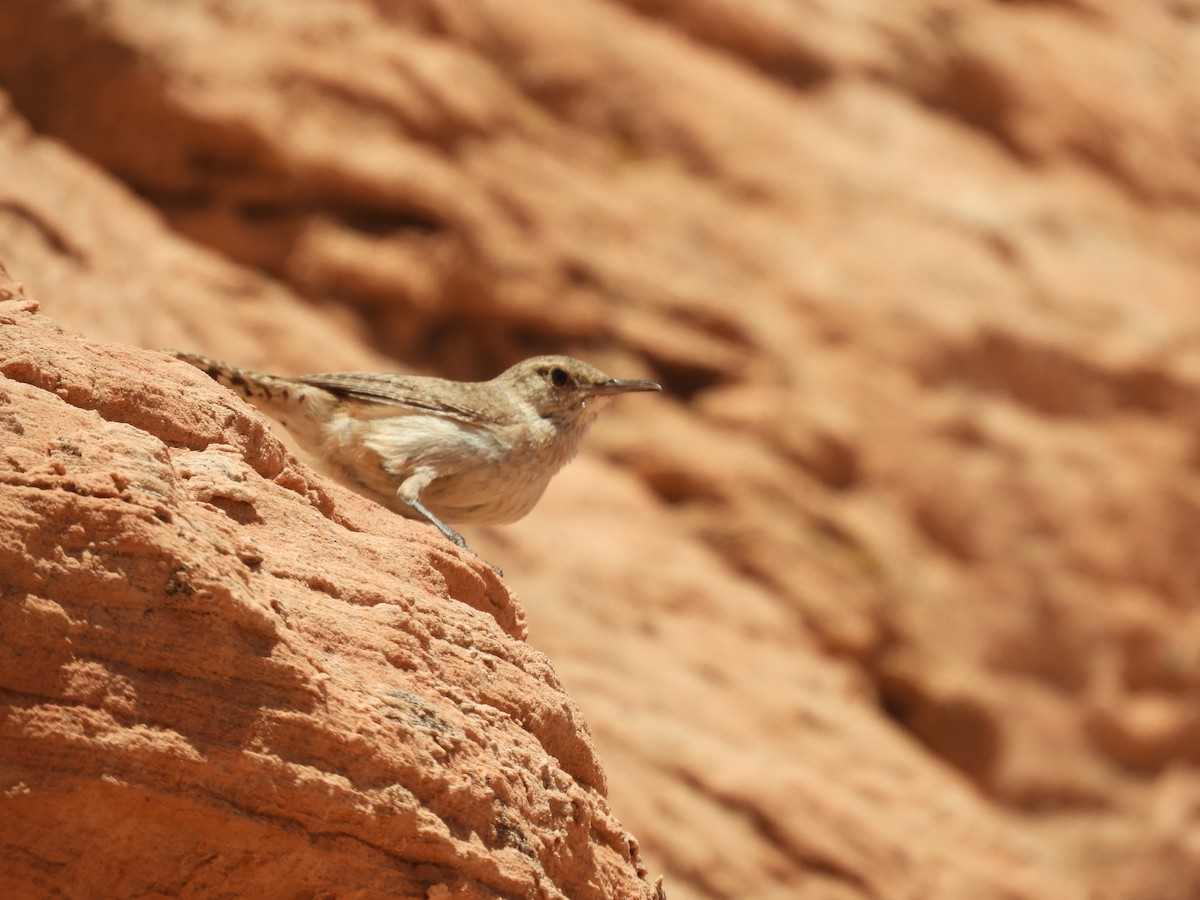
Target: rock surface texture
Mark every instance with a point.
(895, 593)
(223, 679)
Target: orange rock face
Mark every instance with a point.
(894, 592)
(222, 679)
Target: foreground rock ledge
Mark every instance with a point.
(219, 673)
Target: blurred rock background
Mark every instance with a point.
(894, 593)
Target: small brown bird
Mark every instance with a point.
(442, 451)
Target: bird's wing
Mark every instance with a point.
(378, 387)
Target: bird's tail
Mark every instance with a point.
(254, 386)
(301, 408)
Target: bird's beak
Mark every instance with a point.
(624, 386)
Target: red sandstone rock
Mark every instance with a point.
(921, 280)
(223, 677)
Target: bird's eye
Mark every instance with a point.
(558, 376)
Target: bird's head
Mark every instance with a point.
(566, 390)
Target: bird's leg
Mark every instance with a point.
(409, 494)
(441, 526)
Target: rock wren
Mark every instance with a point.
(437, 450)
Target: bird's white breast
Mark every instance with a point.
(490, 475)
